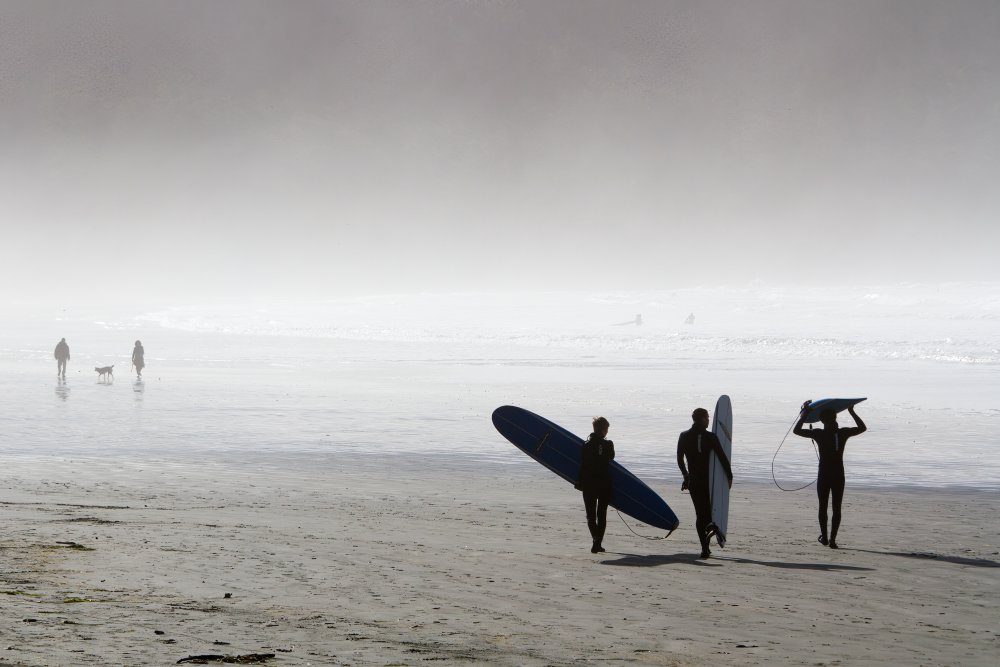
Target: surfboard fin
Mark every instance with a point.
(713, 530)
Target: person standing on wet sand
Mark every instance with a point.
(696, 445)
(62, 356)
(138, 359)
(830, 441)
(595, 480)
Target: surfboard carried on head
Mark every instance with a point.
(817, 407)
(718, 482)
(560, 451)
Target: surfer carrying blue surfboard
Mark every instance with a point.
(595, 480)
(696, 445)
(830, 441)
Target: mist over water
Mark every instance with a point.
(302, 386)
(168, 152)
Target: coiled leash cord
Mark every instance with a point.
(645, 537)
(773, 477)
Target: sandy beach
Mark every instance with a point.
(268, 268)
(280, 485)
(104, 563)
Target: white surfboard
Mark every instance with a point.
(722, 427)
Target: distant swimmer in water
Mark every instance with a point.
(62, 356)
(830, 441)
(138, 359)
(595, 480)
(696, 445)
(637, 322)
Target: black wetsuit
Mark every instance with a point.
(595, 483)
(830, 479)
(696, 445)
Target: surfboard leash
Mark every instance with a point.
(773, 477)
(645, 537)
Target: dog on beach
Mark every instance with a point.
(107, 372)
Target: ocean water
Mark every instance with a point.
(297, 388)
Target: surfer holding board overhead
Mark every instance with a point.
(830, 441)
(696, 445)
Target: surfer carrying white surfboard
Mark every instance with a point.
(830, 441)
(696, 445)
(595, 480)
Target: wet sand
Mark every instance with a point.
(146, 564)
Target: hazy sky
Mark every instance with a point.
(197, 150)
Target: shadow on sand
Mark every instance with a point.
(926, 555)
(632, 560)
(819, 567)
(635, 560)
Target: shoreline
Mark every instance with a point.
(474, 464)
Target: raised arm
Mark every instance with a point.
(799, 430)
(857, 420)
(802, 419)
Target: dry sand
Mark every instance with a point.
(132, 565)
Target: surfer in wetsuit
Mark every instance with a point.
(696, 445)
(62, 356)
(830, 441)
(595, 480)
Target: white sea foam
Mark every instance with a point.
(949, 324)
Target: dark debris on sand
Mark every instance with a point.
(248, 659)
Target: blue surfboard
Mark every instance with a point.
(836, 404)
(559, 450)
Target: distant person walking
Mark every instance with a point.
(595, 480)
(696, 445)
(62, 356)
(138, 358)
(830, 441)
